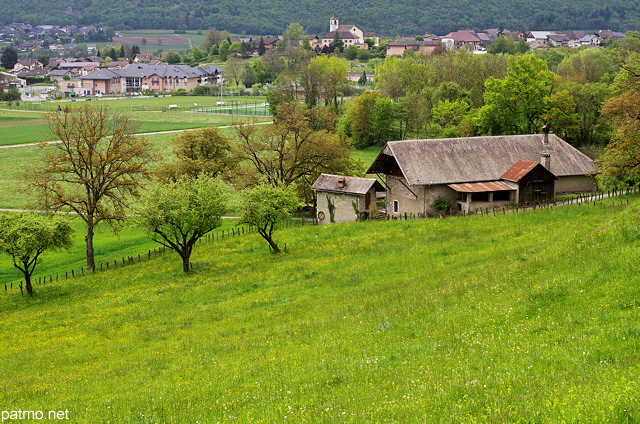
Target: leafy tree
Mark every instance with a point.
(261, 71)
(351, 52)
(198, 55)
(202, 151)
(173, 57)
(560, 114)
(290, 39)
(621, 158)
(588, 66)
(223, 50)
(9, 58)
(264, 207)
(514, 104)
(449, 113)
(94, 171)
(235, 49)
(593, 127)
(25, 237)
(248, 75)
(331, 73)
(177, 214)
(370, 120)
(295, 150)
(363, 55)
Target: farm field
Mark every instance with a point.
(529, 317)
(26, 126)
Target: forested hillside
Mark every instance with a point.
(403, 17)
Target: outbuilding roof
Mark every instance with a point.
(352, 185)
(520, 169)
(476, 159)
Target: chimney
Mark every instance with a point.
(341, 182)
(545, 135)
(545, 160)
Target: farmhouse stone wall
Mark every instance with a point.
(420, 202)
(400, 195)
(434, 192)
(575, 184)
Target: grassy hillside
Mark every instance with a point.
(531, 317)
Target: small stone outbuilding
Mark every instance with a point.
(345, 195)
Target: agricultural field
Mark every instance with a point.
(528, 317)
(162, 39)
(24, 126)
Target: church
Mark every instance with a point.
(351, 35)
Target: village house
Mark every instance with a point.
(399, 47)
(462, 39)
(143, 57)
(480, 172)
(345, 199)
(23, 65)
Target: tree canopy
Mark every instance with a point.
(265, 206)
(177, 214)
(202, 151)
(295, 150)
(515, 103)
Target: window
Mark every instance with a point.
(396, 206)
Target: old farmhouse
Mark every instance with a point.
(480, 172)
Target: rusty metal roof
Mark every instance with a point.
(481, 187)
(519, 170)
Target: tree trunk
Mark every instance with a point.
(89, 242)
(185, 264)
(27, 283)
(185, 254)
(273, 245)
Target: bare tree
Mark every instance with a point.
(95, 169)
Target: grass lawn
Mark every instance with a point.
(531, 317)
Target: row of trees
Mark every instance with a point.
(461, 94)
(99, 169)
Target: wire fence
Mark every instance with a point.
(578, 199)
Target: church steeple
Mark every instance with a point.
(333, 23)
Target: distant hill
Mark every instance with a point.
(388, 18)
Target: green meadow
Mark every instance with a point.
(528, 317)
